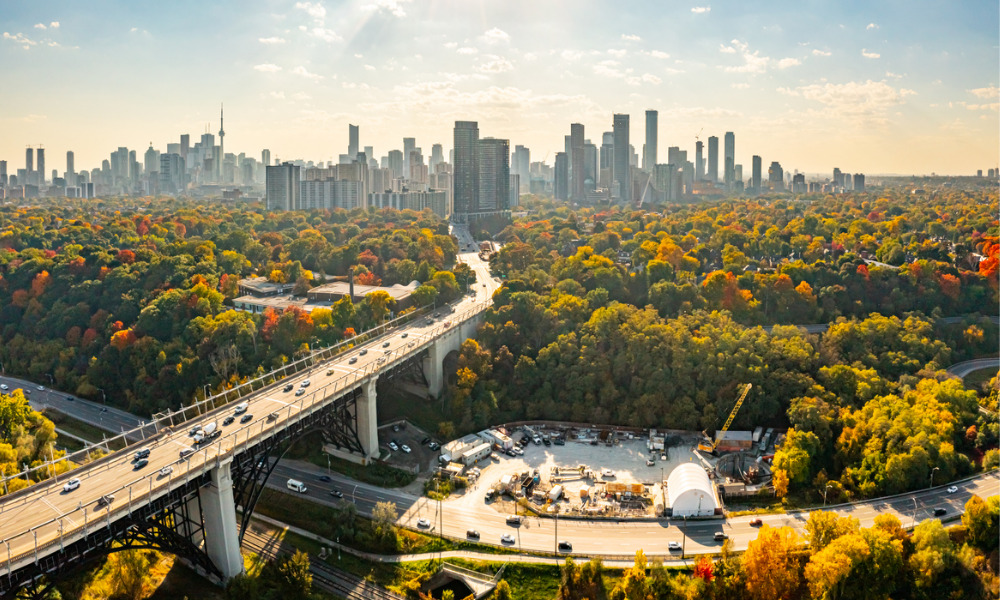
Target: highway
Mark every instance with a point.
(52, 514)
(964, 368)
(616, 538)
(107, 418)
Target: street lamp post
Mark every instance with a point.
(914, 513)
(685, 539)
(824, 493)
(932, 475)
(104, 397)
(353, 498)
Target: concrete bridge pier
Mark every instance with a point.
(222, 535)
(367, 417)
(433, 367)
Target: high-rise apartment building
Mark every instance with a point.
(41, 166)
(606, 159)
(70, 166)
(466, 171)
(649, 149)
(699, 161)
(409, 145)
(521, 166)
(621, 187)
(859, 182)
(494, 175)
(589, 166)
(352, 141)
(437, 157)
(576, 169)
(265, 156)
(171, 169)
(560, 185)
(755, 182)
(29, 162)
(776, 177)
(151, 160)
(713, 159)
(394, 162)
(282, 187)
(3, 173)
(730, 160)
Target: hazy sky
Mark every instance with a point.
(868, 86)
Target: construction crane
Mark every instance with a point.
(710, 447)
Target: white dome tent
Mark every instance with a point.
(690, 493)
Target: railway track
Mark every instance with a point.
(330, 579)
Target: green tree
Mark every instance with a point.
(502, 591)
(982, 521)
(128, 572)
(291, 577)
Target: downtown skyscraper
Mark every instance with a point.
(577, 173)
(621, 178)
(730, 160)
(466, 177)
(649, 148)
(713, 159)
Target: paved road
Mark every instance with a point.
(97, 414)
(615, 537)
(51, 511)
(964, 368)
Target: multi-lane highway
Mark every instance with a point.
(51, 514)
(41, 397)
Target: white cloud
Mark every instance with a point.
(495, 36)
(871, 26)
(302, 71)
(356, 55)
(571, 55)
(617, 52)
(631, 38)
(988, 93)
(327, 35)
(277, 95)
(658, 54)
(740, 86)
(788, 62)
(726, 49)
(451, 45)
(301, 96)
(369, 68)
(271, 40)
(267, 68)
(818, 52)
(866, 102)
(497, 64)
(467, 50)
(701, 9)
(753, 62)
(608, 68)
(393, 7)
(40, 26)
(990, 107)
(892, 75)
(316, 10)
(650, 78)
(54, 24)
(20, 39)
(867, 54)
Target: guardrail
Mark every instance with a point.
(55, 532)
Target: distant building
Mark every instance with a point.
(730, 160)
(776, 177)
(436, 200)
(621, 187)
(577, 173)
(713, 159)
(756, 175)
(649, 148)
(282, 187)
(859, 182)
(465, 182)
(561, 183)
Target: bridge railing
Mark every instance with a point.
(144, 488)
(147, 432)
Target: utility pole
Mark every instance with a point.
(932, 475)
(824, 493)
(684, 542)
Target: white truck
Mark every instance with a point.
(296, 486)
(207, 433)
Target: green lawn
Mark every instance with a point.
(80, 429)
(977, 379)
(310, 449)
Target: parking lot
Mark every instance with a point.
(401, 433)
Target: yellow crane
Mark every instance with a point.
(710, 447)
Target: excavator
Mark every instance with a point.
(708, 445)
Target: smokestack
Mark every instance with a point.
(352, 283)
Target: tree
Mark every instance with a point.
(982, 521)
(824, 527)
(291, 577)
(932, 551)
(384, 517)
(770, 567)
(129, 573)
(582, 582)
(380, 303)
(502, 591)
(780, 480)
(243, 587)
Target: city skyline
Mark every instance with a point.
(864, 88)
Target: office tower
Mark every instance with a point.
(3, 173)
(29, 162)
(799, 185)
(730, 160)
(437, 157)
(776, 177)
(515, 187)
(494, 175)
(466, 168)
(607, 159)
(838, 179)
(649, 149)
(737, 174)
(589, 166)
(41, 166)
(394, 162)
(521, 165)
(979, 172)
(560, 185)
(282, 187)
(186, 146)
(370, 155)
(713, 159)
(265, 157)
(70, 167)
(409, 145)
(699, 161)
(621, 187)
(756, 176)
(859, 182)
(171, 174)
(151, 161)
(352, 141)
(576, 170)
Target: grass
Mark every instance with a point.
(310, 449)
(168, 578)
(422, 412)
(978, 379)
(80, 429)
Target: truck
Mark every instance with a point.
(207, 433)
(555, 493)
(296, 486)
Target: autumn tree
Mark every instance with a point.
(771, 565)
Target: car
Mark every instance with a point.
(105, 500)
(511, 453)
(519, 451)
(241, 408)
(484, 285)
(546, 442)
(939, 512)
(385, 345)
(228, 420)
(607, 473)
(720, 536)
(300, 391)
(650, 462)
(337, 493)
(28, 392)
(423, 523)
(71, 485)
(663, 457)
(559, 442)
(386, 352)
(40, 388)
(437, 314)
(429, 321)
(395, 427)
(140, 454)
(104, 409)
(4, 387)
(756, 522)
(405, 335)
(506, 539)
(288, 387)
(325, 478)
(393, 446)
(139, 464)
(305, 383)
(405, 448)
(353, 360)
(272, 417)
(330, 371)
(565, 546)
(472, 534)
(952, 489)
(425, 441)
(186, 452)
(514, 520)
(194, 431)
(167, 470)
(673, 546)
(363, 352)
(433, 445)
(246, 418)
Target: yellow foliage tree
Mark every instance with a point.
(770, 567)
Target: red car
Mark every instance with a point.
(756, 522)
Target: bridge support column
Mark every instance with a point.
(222, 535)
(367, 417)
(433, 366)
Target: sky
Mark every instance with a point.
(881, 87)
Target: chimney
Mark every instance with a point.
(352, 283)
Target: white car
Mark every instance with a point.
(423, 523)
(506, 539)
(393, 446)
(405, 448)
(607, 473)
(4, 387)
(71, 485)
(167, 470)
(674, 546)
(952, 489)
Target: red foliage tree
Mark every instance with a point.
(126, 257)
(704, 569)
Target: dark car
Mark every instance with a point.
(288, 387)
(246, 418)
(559, 442)
(325, 478)
(472, 534)
(547, 442)
(720, 536)
(105, 500)
(940, 511)
(363, 352)
(140, 464)
(337, 493)
(272, 417)
(565, 546)
(425, 441)
(514, 520)
(228, 421)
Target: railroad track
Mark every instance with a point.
(330, 579)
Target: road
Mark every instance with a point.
(51, 513)
(964, 368)
(97, 414)
(616, 537)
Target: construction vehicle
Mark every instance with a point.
(708, 445)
